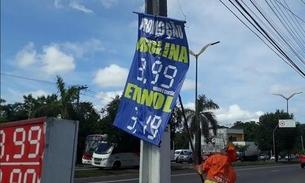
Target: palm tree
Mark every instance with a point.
(206, 118)
(62, 104)
(67, 97)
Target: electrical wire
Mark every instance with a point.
(284, 34)
(26, 78)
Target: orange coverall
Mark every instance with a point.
(218, 167)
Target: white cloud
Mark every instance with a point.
(80, 7)
(111, 76)
(231, 115)
(235, 113)
(79, 49)
(108, 3)
(27, 55)
(57, 4)
(37, 93)
(107, 97)
(55, 61)
(188, 84)
(56, 57)
(285, 90)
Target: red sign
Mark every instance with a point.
(21, 150)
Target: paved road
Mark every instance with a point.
(256, 174)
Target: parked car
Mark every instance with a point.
(179, 152)
(273, 158)
(264, 157)
(302, 160)
(188, 157)
(290, 157)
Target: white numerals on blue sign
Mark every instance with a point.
(156, 69)
(154, 126)
(142, 70)
(170, 72)
(153, 122)
(134, 119)
(170, 77)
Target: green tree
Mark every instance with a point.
(48, 106)
(181, 140)
(89, 123)
(115, 135)
(285, 138)
(13, 112)
(250, 129)
(206, 118)
(68, 97)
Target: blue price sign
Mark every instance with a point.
(157, 73)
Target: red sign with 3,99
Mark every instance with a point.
(21, 150)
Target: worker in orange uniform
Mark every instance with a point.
(218, 167)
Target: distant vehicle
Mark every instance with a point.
(109, 155)
(290, 157)
(251, 154)
(273, 158)
(302, 160)
(179, 152)
(188, 157)
(264, 157)
(91, 143)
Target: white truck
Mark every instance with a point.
(250, 154)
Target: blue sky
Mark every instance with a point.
(92, 42)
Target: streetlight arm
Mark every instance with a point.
(203, 49)
(281, 95)
(287, 99)
(294, 94)
(206, 46)
(192, 53)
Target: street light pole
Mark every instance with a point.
(287, 98)
(198, 133)
(274, 141)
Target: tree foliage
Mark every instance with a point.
(285, 138)
(207, 119)
(250, 129)
(117, 136)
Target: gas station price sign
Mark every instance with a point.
(21, 150)
(25, 155)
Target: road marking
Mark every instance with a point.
(259, 168)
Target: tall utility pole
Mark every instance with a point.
(155, 162)
(78, 93)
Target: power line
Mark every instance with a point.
(30, 79)
(287, 43)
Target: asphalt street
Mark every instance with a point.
(291, 173)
